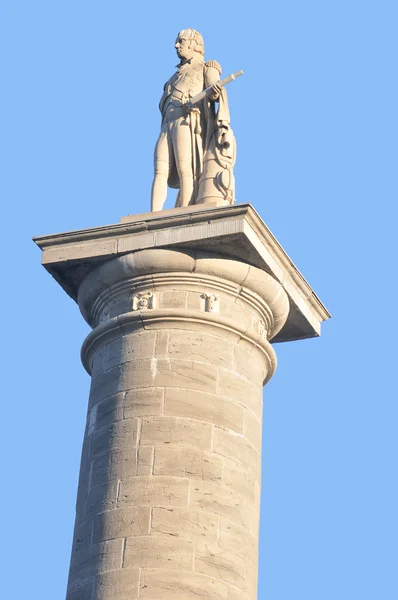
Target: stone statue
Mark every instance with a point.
(196, 149)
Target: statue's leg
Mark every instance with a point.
(162, 165)
(182, 145)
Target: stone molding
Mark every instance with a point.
(127, 323)
(250, 304)
(157, 268)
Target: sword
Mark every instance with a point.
(196, 99)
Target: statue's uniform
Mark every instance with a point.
(180, 144)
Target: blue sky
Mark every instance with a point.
(315, 116)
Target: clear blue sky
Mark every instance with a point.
(315, 117)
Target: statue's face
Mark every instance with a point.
(183, 48)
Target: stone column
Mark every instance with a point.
(169, 492)
(168, 499)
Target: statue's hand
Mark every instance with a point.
(215, 92)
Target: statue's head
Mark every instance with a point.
(189, 42)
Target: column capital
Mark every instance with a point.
(237, 232)
(182, 289)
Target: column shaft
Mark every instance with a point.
(169, 491)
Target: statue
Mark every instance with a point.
(196, 149)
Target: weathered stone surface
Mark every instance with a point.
(235, 447)
(173, 299)
(124, 349)
(241, 479)
(204, 407)
(160, 553)
(117, 585)
(229, 566)
(82, 535)
(145, 456)
(81, 589)
(252, 429)
(225, 503)
(240, 389)
(154, 491)
(175, 430)
(120, 435)
(184, 523)
(101, 498)
(120, 523)
(201, 347)
(186, 374)
(98, 558)
(235, 593)
(188, 462)
(108, 411)
(238, 539)
(249, 362)
(114, 465)
(159, 584)
(143, 402)
(161, 343)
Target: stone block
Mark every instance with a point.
(173, 299)
(186, 461)
(80, 589)
(252, 429)
(238, 539)
(114, 465)
(117, 585)
(204, 407)
(241, 390)
(236, 447)
(100, 498)
(118, 436)
(212, 560)
(160, 553)
(186, 374)
(137, 346)
(123, 349)
(176, 431)
(241, 479)
(225, 503)
(84, 478)
(120, 523)
(235, 593)
(188, 524)
(106, 412)
(250, 362)
(155, 372)
(82, 535)
(98, 558)
(160, 584)
(194, 301)
(143, 402)
(200, 347)
(240, 316)
(154, 491)
(106, 384)
(145, 460)
(161, 343)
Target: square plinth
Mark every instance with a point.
(233, 231)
